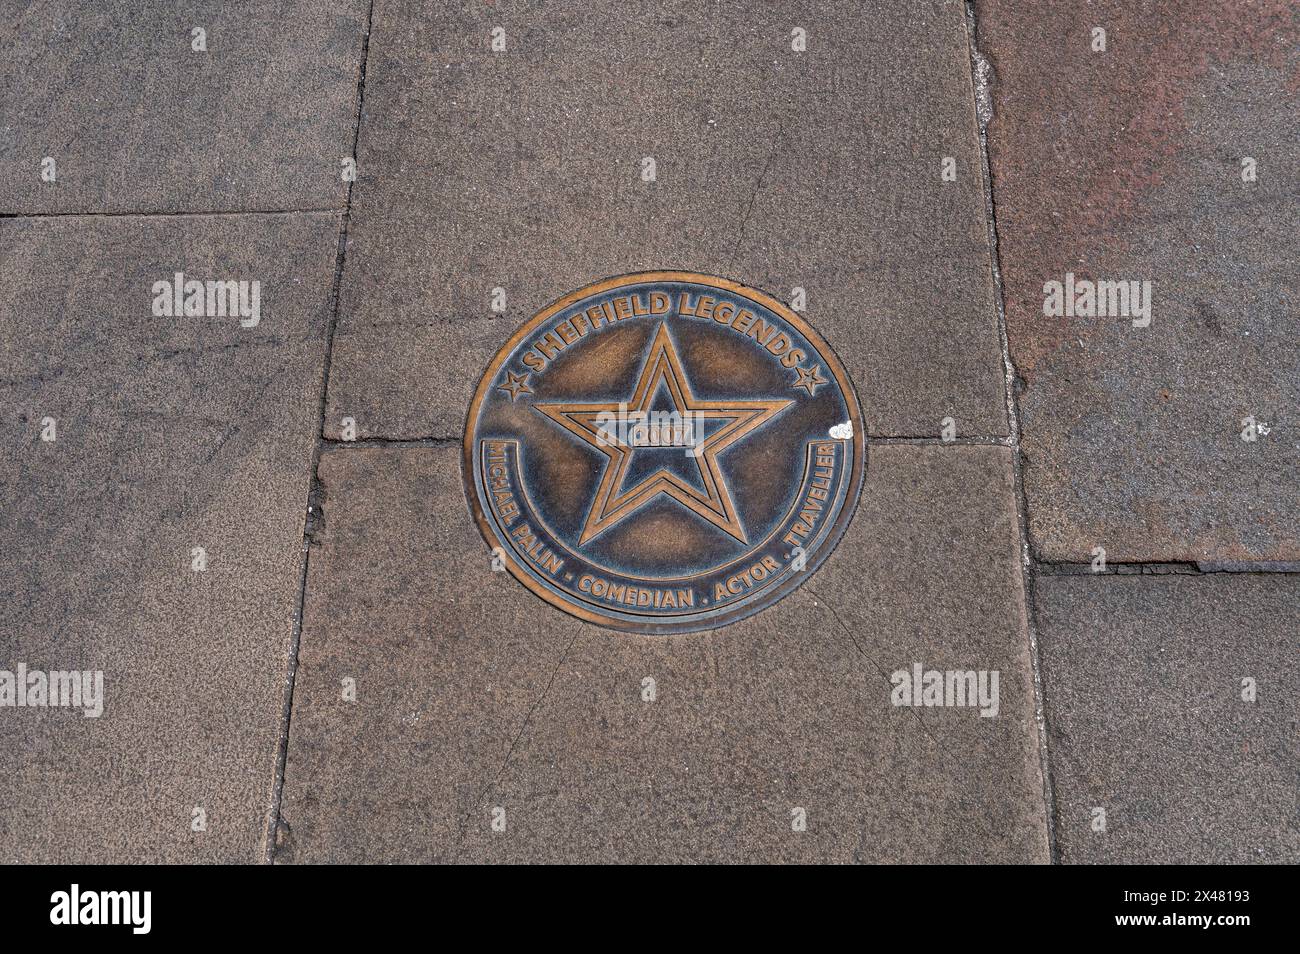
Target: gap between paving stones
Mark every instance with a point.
(311, 518)
(982, 78)
(1266, 567)
(166, 215)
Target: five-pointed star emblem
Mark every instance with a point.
(516, 384)
(810, 379)
(612, 504)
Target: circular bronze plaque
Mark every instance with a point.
(664, 452)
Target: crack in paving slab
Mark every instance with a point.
(982, 78)
(528, 719)
(821, 601)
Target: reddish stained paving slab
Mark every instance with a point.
(1126, 164)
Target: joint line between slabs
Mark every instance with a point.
(18, 216)
(985, 77)
(282, 753)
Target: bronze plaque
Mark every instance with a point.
(664, 452)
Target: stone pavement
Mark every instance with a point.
(254, 522)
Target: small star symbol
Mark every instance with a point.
(810, 379)
(516, 384)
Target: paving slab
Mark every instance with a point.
(523, 170)
(169, 433)
(137, 120)
(1127, 165)
(1147, 721)
(471, 695)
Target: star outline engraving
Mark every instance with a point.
(611, 505)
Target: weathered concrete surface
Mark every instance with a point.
(138, 121)
(170, 434)
(523, 170)
(472, 694)
(1127, 165)
(1146, 718)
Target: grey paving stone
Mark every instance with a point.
(138, 121)
(1146, 718)
(523, 170)
(170, 434)
(1127, 165)
(472, 694)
